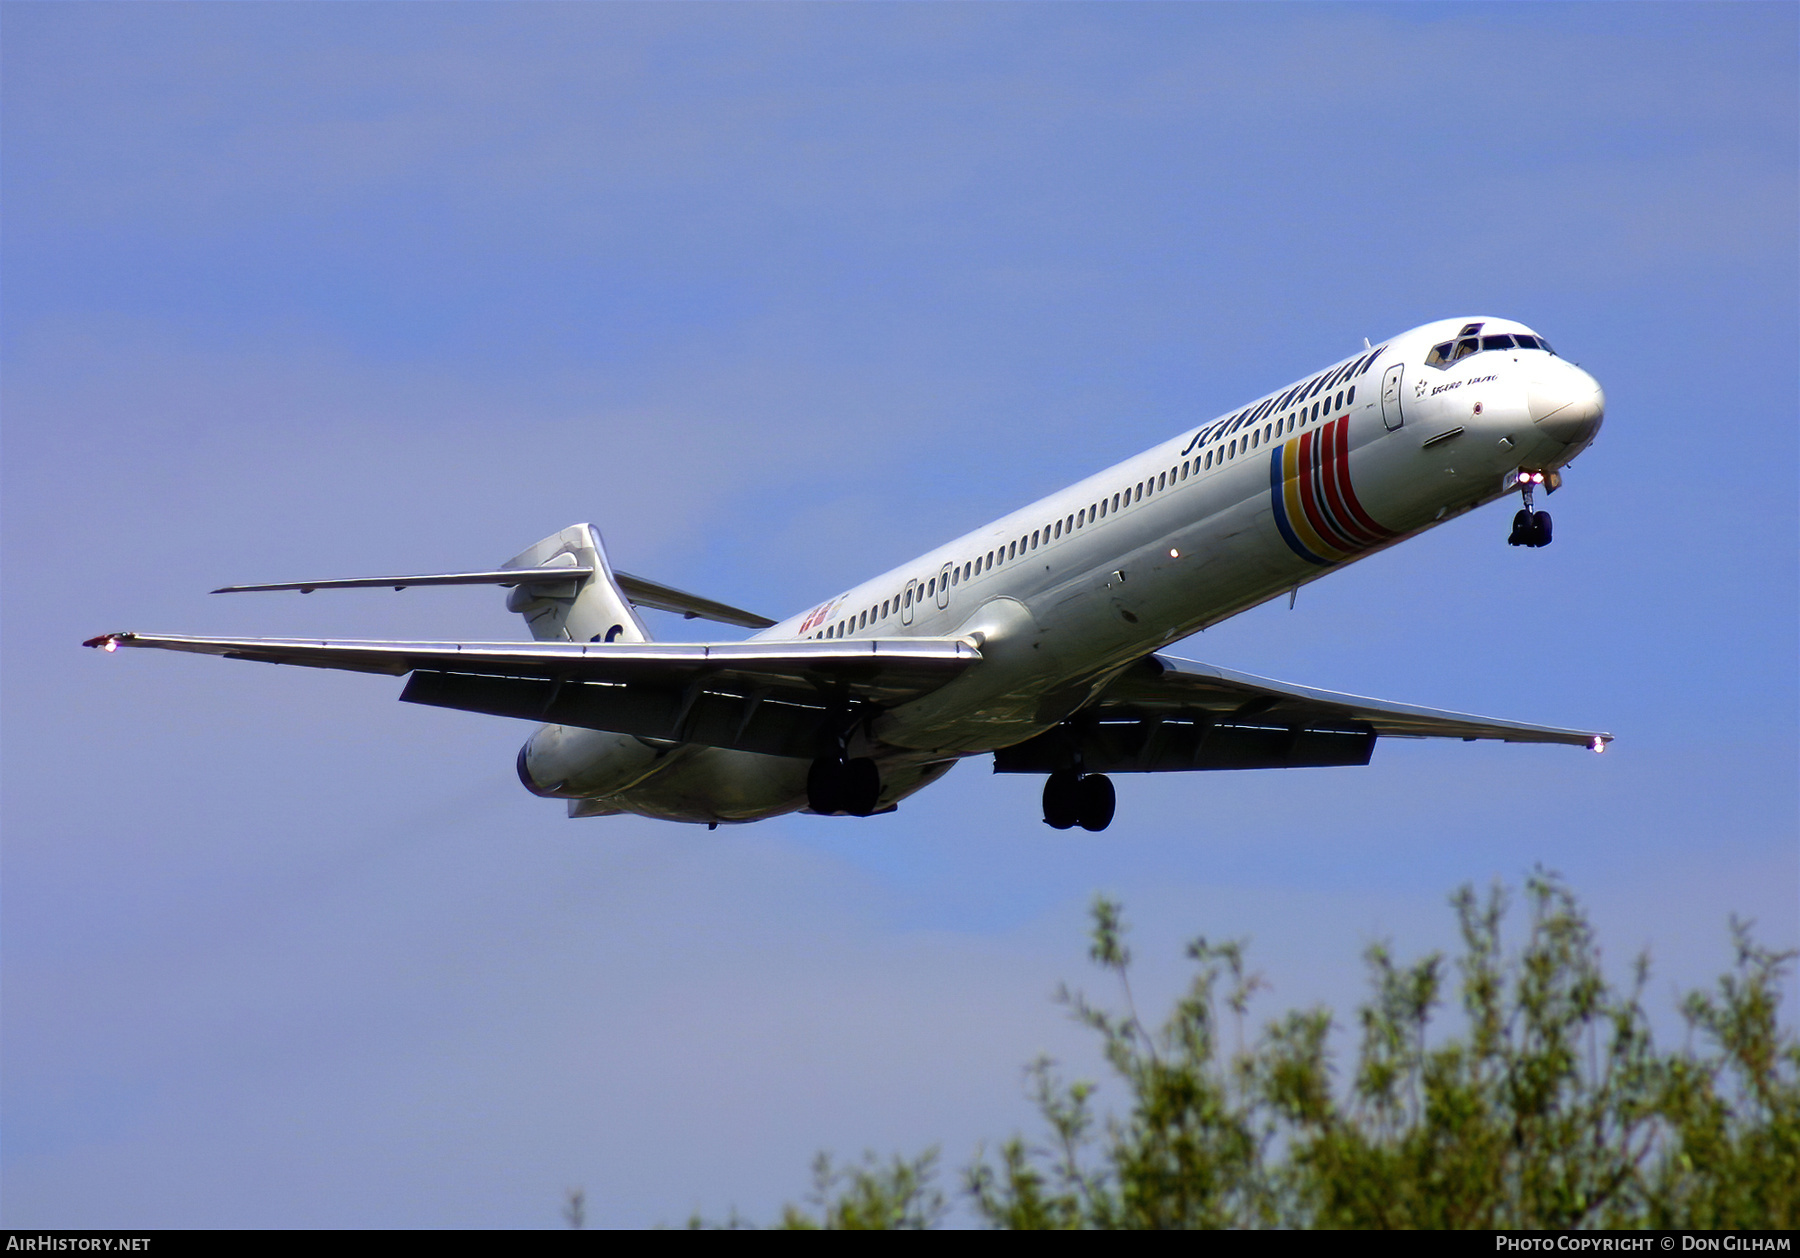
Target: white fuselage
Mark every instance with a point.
(1063, 594)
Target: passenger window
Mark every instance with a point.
(1209, 458)
(931, 588)
(1184, 469)
(1315, 410)
(1012, 550)
(1162, 480)
(909, 598)
(1351, 400)
(862, 621)
(1231, 450)
(1115, 502)
(1267, 429)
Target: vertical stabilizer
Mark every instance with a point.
(582, 609)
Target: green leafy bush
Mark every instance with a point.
(1551, 1108)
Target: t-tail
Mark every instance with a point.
(565, 588)
(588, 607)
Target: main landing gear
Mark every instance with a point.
(1078, 799)
(1530, 528)
(843, 786)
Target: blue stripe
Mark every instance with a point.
(1281, 517)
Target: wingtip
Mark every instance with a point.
(107, 641)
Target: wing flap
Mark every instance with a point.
(712, 712)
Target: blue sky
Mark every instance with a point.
(778, 296)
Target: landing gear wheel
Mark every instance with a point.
(859, 788)
(1540, 529)
(1095, 801)
(843, 786)
(1521, 530)
(825, 786)
(1062, 800)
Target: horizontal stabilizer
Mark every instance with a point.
(641, 592)
(503, 576)
(668, 599)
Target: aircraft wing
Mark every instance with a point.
(782, 698)
(1166, 714)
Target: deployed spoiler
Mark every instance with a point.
(641, 592)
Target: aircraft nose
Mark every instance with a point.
(1565, 402)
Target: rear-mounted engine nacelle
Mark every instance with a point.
(563, 762)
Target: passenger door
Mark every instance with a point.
(1390, 397)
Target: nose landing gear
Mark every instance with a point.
(1078, 799)
(1530, 528)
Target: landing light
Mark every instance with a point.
(1599, 745)
(1173, 553)
(111, 645)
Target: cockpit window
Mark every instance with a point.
(1441, 356)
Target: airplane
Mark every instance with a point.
(1034, 639)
